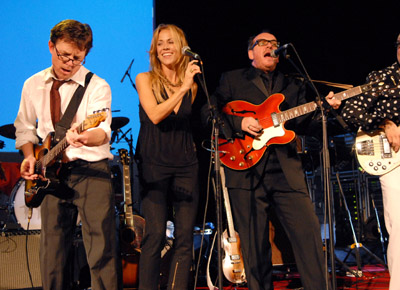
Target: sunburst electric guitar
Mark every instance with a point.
(48, 163)
(244, 152)
(375, 154)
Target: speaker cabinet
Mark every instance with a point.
(14, 272)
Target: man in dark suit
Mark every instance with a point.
(277, 180)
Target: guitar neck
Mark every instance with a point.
(231, 229)
(127, 196)
(56, 150)
(312, 106)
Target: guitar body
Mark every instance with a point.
(131, 236)
(243, 153)
(375, 154)
(36, 190)
(130, 240)
(232, 263)
(48, 165)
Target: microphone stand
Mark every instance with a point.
(324, 108)
(127, 73)
(217, 125)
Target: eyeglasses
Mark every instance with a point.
(66, 59)
(264, 42)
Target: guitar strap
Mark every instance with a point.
(65, 122)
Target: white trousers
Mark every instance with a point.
(390, 185)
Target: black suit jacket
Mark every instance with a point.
(247, 85)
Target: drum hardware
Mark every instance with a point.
(8, 131)
(118, 123)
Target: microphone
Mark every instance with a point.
(276, 52)
(186, 51)
(127, 71)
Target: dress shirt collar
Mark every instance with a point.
(78, 77)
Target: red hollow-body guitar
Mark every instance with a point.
(241, 153)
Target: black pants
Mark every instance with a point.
(296, 213)
(177, 187)
(93, 199)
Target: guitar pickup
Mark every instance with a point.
(232, 240)
(385, 145)
(235, 257)
(274, 117)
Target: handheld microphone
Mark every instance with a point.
(127, 71)
(186, 51)
(276, 52)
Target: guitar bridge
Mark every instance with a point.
(274, 117)
(365, 147)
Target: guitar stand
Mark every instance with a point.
(356, 246)
(379, 229)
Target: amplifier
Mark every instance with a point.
(14, 272)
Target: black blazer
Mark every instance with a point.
(247, 85)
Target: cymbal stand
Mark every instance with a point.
(356, 245)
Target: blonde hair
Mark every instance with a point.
(156, 74)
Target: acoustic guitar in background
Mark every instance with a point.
(131, 231)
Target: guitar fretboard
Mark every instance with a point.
(128, 196)
(312, 106)
(55, 151)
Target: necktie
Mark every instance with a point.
(267, 80)
(55, 101)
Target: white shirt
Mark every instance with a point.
(35, 107)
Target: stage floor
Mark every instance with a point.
(372, 277)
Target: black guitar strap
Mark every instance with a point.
(66, 120)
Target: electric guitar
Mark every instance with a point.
(244, 152)
(131, 232)
(374, 153)
(48, 164)
(232, 263)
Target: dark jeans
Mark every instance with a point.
(177, 187)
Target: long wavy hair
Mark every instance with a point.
(156, 74)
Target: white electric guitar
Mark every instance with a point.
(375, 154)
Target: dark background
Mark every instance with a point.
(337, 41)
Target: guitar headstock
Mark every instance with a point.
(123, 155)
(93, 120)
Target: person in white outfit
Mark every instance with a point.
(379, 109)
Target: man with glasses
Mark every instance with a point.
(84, 173)
(378, 110)
(277, 180)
